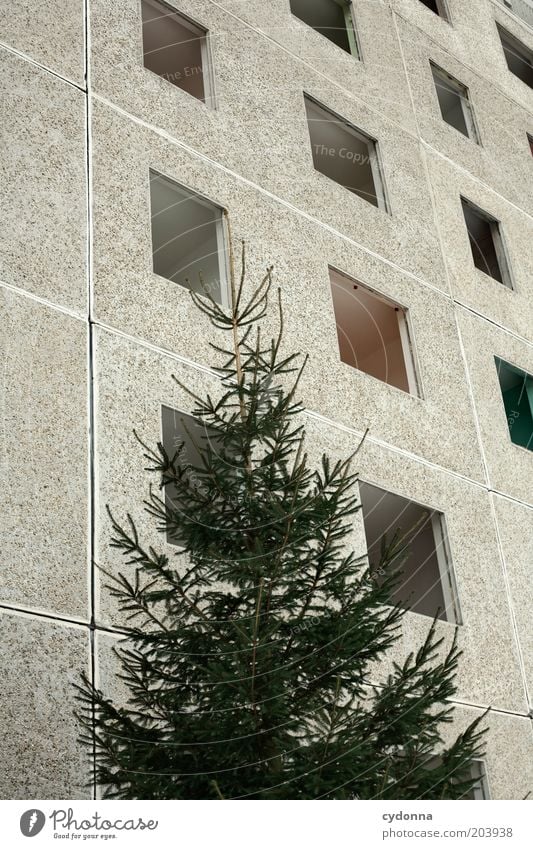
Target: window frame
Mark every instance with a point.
(220, 233)
(482, 792)
(405, 333)
(208, 71)
(511, 43)
(351, 29)
(443, 553)
(446, 572)
(498, 240)
(374, 154)
(463, 93)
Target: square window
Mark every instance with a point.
(517, 393)
(486, 243)
(519, 57)
(187, 238)
(186, 436)
(345, 154)
(437, 6)
(331, 18)
(426, 583)
(176, 49)
(373, 333)
(454, 103)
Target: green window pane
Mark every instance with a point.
(517, 394)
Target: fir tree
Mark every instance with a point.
(248, 669)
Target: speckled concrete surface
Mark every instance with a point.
(51, 33)
(43, 467)
(43, 191)
(515, 524)
(40, 663)
(510, 467)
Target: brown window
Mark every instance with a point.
(176, 49)
(373, 333)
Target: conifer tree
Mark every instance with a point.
(248, 669)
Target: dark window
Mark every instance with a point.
(486, 243)
(519, 57)
(517, 393)
(478, 772)
(426, 582)
(454, 103)
(186, 436)
(331, 18)
(373, 333)
(437, 6)
(344, 154)
(176, 49)
(187, 238)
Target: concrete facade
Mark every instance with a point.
(90, 336)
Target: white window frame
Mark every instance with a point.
(349, 22)
(408, 352)
(220, 233)
(482, 792)
(446, 572)
(463, 93)
(208, 74)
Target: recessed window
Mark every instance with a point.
(530, 140)
(176, 48)
(331, 18)
(517, 393)
(437, 6)
(345, 154)
(519, 57)
(426, 584)
(486, 242)
(373, 333)
(188, 437)
(480, 790)
(454, 103)
(187, 238)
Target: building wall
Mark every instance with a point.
(90, 336)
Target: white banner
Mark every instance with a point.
(252, 825)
